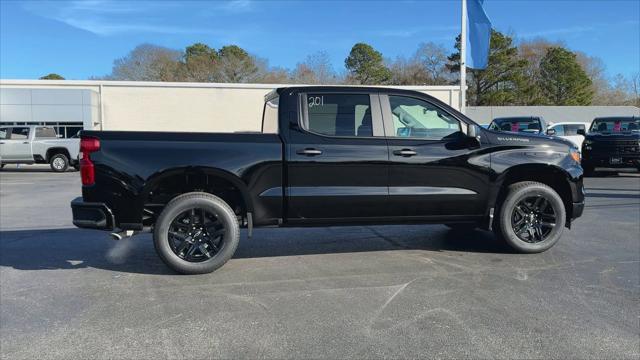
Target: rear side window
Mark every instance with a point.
(20, 133)
(46, 133)
(4, 133)
(339, 114)
(572, 129)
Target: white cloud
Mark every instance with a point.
(109, 17)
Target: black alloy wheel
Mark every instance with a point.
(533, 219)
(196, 235)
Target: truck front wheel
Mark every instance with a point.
(531, 218)
(59, 163)
(196, 233)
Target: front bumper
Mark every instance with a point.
(91, 215)
(578, 209)
(605, 160)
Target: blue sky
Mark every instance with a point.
(79, 39)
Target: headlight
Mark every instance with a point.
(575, 155)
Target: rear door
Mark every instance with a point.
(430, 174)
(337, 158)
(17, 146)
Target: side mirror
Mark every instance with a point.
(473, 131)
(551, 132)
(582, 132)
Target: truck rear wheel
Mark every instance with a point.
(531, 218)
(59, 163)
(196, 233)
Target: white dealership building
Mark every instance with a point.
(147, 106)
(201, 107)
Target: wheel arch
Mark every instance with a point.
(553, 176)
(165, 185)
(57, 150)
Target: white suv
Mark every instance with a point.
(569, 131)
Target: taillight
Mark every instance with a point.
(87, 169)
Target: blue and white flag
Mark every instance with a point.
(479, 28)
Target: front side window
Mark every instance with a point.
(559, 130)
(20, 133)
(572, 129)
(417, 118)
(339, 114)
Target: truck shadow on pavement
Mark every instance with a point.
(68, 249)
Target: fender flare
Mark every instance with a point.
(497, 183)
(158, 177)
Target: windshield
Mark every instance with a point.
(613, 125)
(528, 125)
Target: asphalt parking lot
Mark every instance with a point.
(365, 292)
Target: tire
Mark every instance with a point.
(510, 213)
(168, 246)
(76, 166)
(59, 163)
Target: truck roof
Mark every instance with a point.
(349, 88)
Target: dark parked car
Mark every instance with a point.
(519, 124)
(612, 142)
(327, 156)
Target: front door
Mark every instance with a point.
(430, 174)
(16, 146)
(337, 158)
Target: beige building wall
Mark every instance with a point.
(198, 107)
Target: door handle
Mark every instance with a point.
(1, 142)
(25, 142)
(309, 152)
(404, 152)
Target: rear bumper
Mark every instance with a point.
(91, 215)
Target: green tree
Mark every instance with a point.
(199, 50)
(52, 76)
(503, 81)
(199, 63)
(562, 79)
(235, 65)
(366, 65)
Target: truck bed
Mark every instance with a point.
(136, 165)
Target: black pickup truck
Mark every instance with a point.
(612, 142)
(327, 156)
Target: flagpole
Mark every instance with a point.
(463, 58)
